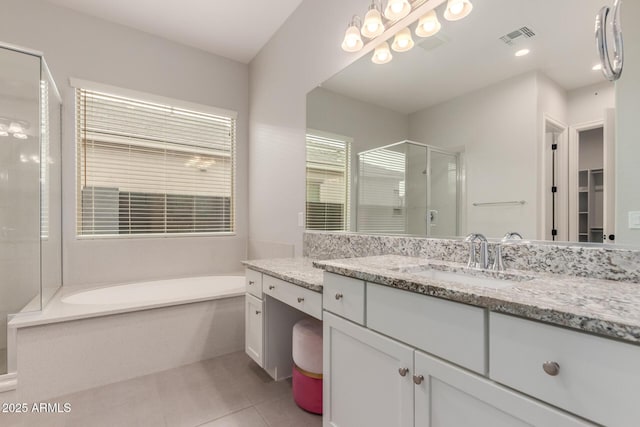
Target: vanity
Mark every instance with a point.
(410, 341)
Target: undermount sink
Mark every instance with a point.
(493, 280)
(485, 282)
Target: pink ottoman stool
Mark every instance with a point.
(307, 369)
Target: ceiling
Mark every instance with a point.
(468, 55)
(235, 29)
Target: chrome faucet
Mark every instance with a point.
(484, 251)
(498, 263)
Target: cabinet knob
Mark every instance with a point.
(403, 372)
(258, 312)
(551, 368)
(417, 379)
(339, 296)
(251, 282)
(300, 299)
(271, 287)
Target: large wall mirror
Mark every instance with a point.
(500, 122)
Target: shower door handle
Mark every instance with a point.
(611, 71)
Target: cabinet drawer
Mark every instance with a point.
(343, 296)
(296, 296)
(598, 378)
(450, 330)
(253, 281)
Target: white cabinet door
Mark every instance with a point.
(253, 328)
(451, 397)
(363, 384)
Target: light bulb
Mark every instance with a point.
(522, 52)
(382, 54)
(403, 41)
(15, 127)
(352, 41)
(397, 9)
(428, 25)
(597, 67)
(20, 135)
(4, 133)
(373, 26)
(457, 9)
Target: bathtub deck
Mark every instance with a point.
(225, 391)
(58, 311)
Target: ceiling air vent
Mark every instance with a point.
(517, 36)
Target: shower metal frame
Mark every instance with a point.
(460, 176)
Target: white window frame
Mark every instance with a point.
(153, 98)
(348, 183)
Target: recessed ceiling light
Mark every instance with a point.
(522, 52)
(597, 67)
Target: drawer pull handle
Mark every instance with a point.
(403, 372)
(300, 299)
(551, 368)
(271, 287)
(251, 282)
(258, 312)
(417, 379)
(339, 296)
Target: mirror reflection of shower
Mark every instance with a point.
(409, 188)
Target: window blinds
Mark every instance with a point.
(328, 183)
(381, 191)
(147, 168)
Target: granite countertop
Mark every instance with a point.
(299, 271)
(604, 307)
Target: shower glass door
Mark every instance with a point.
(442, 215)
(30, 188)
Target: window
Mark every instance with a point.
(150, 168)
(328, 177)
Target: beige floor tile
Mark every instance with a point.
(285, 413)
(246, 418)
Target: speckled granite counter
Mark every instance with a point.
(602, 307)
(299, 271)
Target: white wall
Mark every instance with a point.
(77, 45)
(368, 125)
(496, 126)
(304, 52)
(588, 103)
(628, 129)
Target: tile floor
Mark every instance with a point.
(228, 391)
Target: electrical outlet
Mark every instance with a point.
(634, 220)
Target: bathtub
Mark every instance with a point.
(127, 330)
(174, 290)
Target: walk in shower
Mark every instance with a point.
(30, 188)
(409, 188)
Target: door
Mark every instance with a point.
(448, 396)
(253, 328)
(442, 194)
(367, 379)
(609, 160)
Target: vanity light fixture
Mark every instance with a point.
(373, 26)
(457, 9)
(428, 25)
(352, 41)
(375, 23)
(402, 41)
(14, 127)
(382, 54)
(397, 9)
(522, 52)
